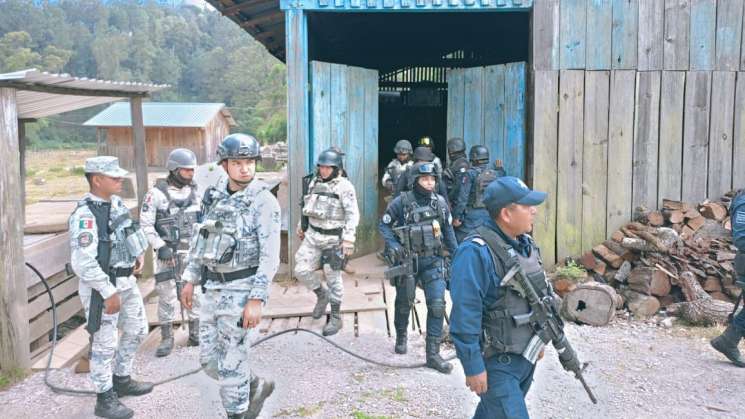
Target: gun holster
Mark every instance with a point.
(335, 258)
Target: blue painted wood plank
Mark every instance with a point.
(677, 28)
(339, 123)
(456, 102)
(651, 31)
(494, 108)
(321, 108)
(473, 114)
(546, 35)
(599, 29)
(370, 181)
(419, 5)
(624, 37)
(729, 34)
(356, 147)
(515, 119)
(573, 34)
(703, 34)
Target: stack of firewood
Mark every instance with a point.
(680, 258)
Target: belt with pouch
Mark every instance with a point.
(328, 232)
(229, 276)
(121, 272)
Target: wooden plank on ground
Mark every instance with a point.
(473, 115)
(569, 185)
(595, 158)
(599, 26)
(671, 136)
(696, 135)
(573, 34)
(651, 28)
(68, 350)
(703, 34)
(625, 30)
(545, 149)
(738, 170)
(729, 34)
(456, 102)
(720, 133)
(372, 323)
(515, 148)
(677, 27)
(646, 140)
(545, 35)
(350, 324)
(301, 304)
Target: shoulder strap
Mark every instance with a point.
(162, 185)
(499, 249)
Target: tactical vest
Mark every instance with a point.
(129, 240)
(484, 178)
(395, 169)
(424, 225)
(322, 202)
(175, 223)
(450, 176)
(508, 324)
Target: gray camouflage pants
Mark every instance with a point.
(225, 347)
(105, 351)
(308, 260)
(168, 305)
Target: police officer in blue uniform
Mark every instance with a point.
(469, 211)
(458, 167)
(417, 227)
(406, 180)
(727, 342)
(491, 325)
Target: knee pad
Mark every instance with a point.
(436, 308)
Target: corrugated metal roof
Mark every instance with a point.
(162, 114)
(33, 103)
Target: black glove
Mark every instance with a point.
(568, 359)
(165, 254)
(396, 250)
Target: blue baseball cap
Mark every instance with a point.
(508, 190)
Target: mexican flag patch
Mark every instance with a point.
(86, 224)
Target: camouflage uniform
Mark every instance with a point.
(392, 172)
(239, 258)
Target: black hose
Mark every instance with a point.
(77, 392)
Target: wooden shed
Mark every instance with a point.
(197, 126)
(605, 104)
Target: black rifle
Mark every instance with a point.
(101, 213)
(168, 229)
(403, 267)
(306, 189)
(545, 320)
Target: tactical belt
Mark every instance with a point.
(229, 276)
(121, 272)
(328, 232)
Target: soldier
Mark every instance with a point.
(168, 215)
(417, 228)
(406, 180)
(234, 256)
(398, 165)
(468, 209)
(458, 167)
(427, 142)
(727, 342)
(496, 336)
(107, 248)
(330, 218)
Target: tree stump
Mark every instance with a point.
(591, 303)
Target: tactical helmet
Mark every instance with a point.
(239, 146)
(329, 157)
(402, 147)
(423, 154)
(423, 169)
(338, 150)
(425, 142)
(456, 146)
(181, 158)
(479, 153)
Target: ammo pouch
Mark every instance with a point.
(167, 227)
(425, 239)
(335, 258)
(215, 244)
(132, 235)
(323, 203)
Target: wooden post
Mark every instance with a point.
(22, 152)
(14, 345)
(298, 114)
(138, 145)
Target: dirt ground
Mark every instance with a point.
(55, 174)
(637, 370)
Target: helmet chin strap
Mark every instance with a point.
(175, 178)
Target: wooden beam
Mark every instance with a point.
(71, 91)
(237, 8)
(22, 152)
(270, 16)
(138, 143)
(14, 330)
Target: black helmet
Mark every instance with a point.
(456, 146)
(479, 153)
(329, 157)
(425, 142)
(402, 147)
(423, 168)
(239, 146)
(423, 154)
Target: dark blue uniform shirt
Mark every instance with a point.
(737, 212)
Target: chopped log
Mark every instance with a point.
(727, 224)
(674, 216)
(618, 249)
(653, 240)
(563, 286)
(686, 233)
(640, 305)
(649, 281)
(588, 261)
(720, 296)
(733, 291)
(723, 255)
(646, 216)
(712, 284)
(617, 236)
(696, 223)
(702, 312)
(669, 204)
(639, 245)
(591, 303)
(611, 258)
(628, 233)
(714, 211)
(691, 213)
(666, 300)
(600, 267)
(692, 290)
(623, 272)
(712, 230)
(678, 228)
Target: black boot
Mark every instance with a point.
(109, 406)
(334, 324)
(434, 360)
(193, 333)
(241, 415)
(322, 301)
(126, 386)
(166, 340)
(400, 342)
(260, 390)
(727, 342)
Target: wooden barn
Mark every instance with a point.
(197, 126)
(605, 104)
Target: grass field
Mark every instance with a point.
(55, 174)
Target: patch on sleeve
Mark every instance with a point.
(145, 206)
(740, 217)
(386, 218)
(85, 239)
(86, 224)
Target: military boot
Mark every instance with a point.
(260, 390)
(242, 415)
(322, 301)
(109, 406)
(193, 333)
(400, 342)
(126, 386)
(434, 360)
(334, 324)
(166, 340)
(727, 342)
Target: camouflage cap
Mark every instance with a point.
(105, 165)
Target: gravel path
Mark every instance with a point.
(637, 370)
